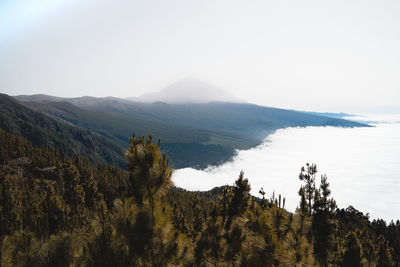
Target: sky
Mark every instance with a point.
(306, 55)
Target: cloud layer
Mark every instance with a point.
(362, 164)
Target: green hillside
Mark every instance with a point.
(42, 130)
(186, 145)
(194, 135)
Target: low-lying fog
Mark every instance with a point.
(362, 165)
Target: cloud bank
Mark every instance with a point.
(362, 164)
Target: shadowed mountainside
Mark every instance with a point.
(43, 130)
(194, 135)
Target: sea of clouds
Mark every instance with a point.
(362, 165)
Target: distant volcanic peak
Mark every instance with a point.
(189, 90)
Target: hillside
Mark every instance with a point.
(194, 135)
(43, 130)
(186, 145)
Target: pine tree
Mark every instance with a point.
(322, 226)
(150, 177)
(240, 199)
(149, 171)
(308, 176)
(303, 211)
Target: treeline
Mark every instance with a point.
(62, 211)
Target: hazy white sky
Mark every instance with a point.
(313, 55)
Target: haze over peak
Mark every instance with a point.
(188, 90)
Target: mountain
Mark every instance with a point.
(39, 98)
(44, 131)
(187, 145)
(188, 90)
(339, 115)
(193, 135)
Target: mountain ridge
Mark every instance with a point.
(44, 131)
(193, 134)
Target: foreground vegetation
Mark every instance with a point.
(57, 210)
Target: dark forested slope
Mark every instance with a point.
(43, 130)
(194, 135)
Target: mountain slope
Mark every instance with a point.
(234, 119)
(194, 135)
(187, 145)
(238, 120)
(42, 130)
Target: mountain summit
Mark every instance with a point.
(189, 90)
